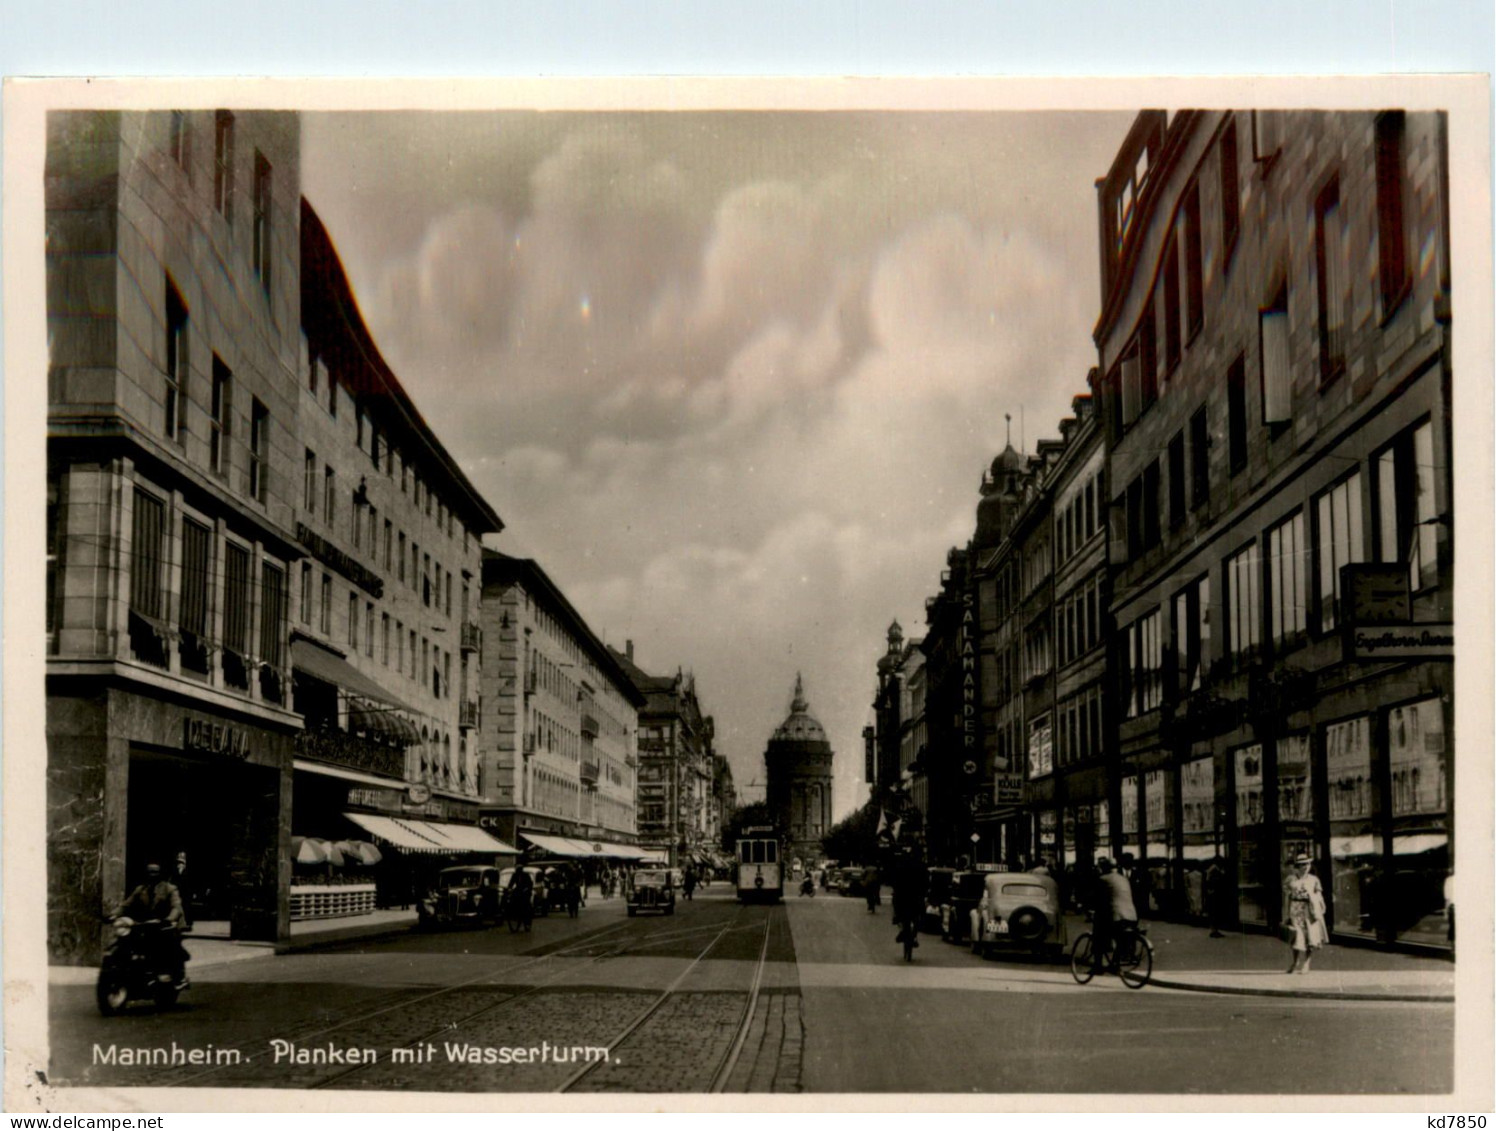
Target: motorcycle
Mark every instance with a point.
(808, 886)
(134, 968)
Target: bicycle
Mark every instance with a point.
(1129, 956)
(908, 934)
(518, 912)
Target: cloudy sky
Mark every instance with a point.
(731, 378)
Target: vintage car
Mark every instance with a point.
(468, 894)
(937, 888)
(960, 900)
(653, 889)
(1018, 909)
(540, 895)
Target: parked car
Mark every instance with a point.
(468, 894)
(653, 890)
(962, 898)
(832, 880)
(540, 903)
(1018, 909)
(851, 880)
(937, 888)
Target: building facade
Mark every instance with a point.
(676, 760)
(798, 759)
(950, 772)
(1274, 340)
(560, 723)
(173, 321)
(385, 601)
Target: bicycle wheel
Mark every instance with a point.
(1136, 971)
(1081, 968)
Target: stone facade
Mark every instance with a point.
(799, 763)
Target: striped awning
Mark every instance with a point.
(429, 836)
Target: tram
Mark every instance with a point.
(760, 873)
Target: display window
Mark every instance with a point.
(1197, 815)
(1162, 851)
(1131, 835)
(1355, 845)
(1417, 756)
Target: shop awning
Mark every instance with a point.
(370, 706)
(653, 857)
(429, 836)
(558, 845)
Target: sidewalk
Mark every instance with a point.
(1185, 957)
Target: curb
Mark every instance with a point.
(1322, 995)
(348, 934)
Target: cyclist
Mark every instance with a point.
(1112, 911)
(520, 898)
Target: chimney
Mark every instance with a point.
(628, 650)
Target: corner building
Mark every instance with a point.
(1274, 341)
(173, 326)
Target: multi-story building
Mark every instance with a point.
(560, 721)
(173, 322)
(1274, 341)
(675, 765)
(798, 761)
(882, 770)
(724, 799)
(384, 600)
(949, 779)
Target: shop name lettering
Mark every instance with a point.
(1371, 642)
(215, 738)
(324, 551)
(968, 672)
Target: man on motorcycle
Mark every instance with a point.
(157, 898)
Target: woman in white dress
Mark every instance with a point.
(1304, 906)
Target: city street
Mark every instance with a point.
(833, 1009)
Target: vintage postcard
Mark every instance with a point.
(715, 593)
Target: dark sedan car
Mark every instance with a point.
(960, 901)
(653, 889)
(937, 889)
(469, 894)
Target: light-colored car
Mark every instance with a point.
(1018, 909)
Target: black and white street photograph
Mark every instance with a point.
(673, 590)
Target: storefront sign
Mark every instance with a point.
(385, 800)
(417, 793)
(1041, 751)
(215, 738)
(1401, 642)
(966, 643)
(1007, 789)
(351, 568)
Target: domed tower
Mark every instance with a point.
(1002, 490)
(798, 759)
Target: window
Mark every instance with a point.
(329, 494)
(1148, 356)
(1194, 270)
(425, 661)
(358, 427)
(447, 673)
(415, 565)
(356, 510)
(1192, 633)
(1130, 379)
(260, 253)
(374, 444)
(1142, 661)
(353, 620)
(179, 141)
(1236, 401)
(426, 580)
(1329, 259)
(404, 475)
(313, 361)
(389, 538)
(400, 646)
(1230, 192)
(1150, 506)
(176, 363)
(1199, 458)
(222, 415)
(309, 485)
(400, 557)
(384, 638)
(332, 394)
(197, 570)
(326, 605)
(259, 450)
(1338, 541)
(1406, 511)
(306, 593)
(1391, 238)
(272, 614)
(1272, 329)
(223, 164)
(1172, 345)
(1176, 480)
(236, 604)
(412, 653)
(1287, 589)
(1267, 136)
(369, 629)
(1243, 601)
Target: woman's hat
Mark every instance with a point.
(1303, 858)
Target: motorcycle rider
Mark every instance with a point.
(158, 898)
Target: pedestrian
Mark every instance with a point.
(1304, 903)
(689, 883)
(180, 878)
(1216, 896)
(872, 888)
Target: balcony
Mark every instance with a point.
(589, 726)
(589, 774)
(472, 637)
(467, 714)
(343, 749)
(529, 745)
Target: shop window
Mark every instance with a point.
(221, 412)
(1420, 800)
(1295, 801)
(1243, 602)
(1236, 401)
(1254, 872)
(1197, 812)
(1287, 569)
(1406, 511)
(1192, 633)
(1391, 235)
(1338, 542)
(1131, 831)
(1355, 842)
(176, 364)
(1159, 893)
(223, 164)
(1330, 280)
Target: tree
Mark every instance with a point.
(756, 815)
(853, 839)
